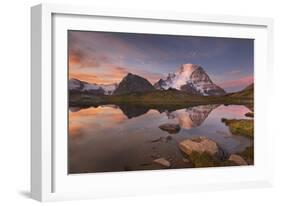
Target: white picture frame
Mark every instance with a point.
(49, 179)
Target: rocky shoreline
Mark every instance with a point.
(204, 152)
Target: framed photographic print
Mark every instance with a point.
(137, 102)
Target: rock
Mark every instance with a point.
(189, 88)
(185, 160)
(163, 162)
(201, 145)
(237, 159)
(169, 138)
(249, 114)
(163, 139)
(171, 128)
(127, 168)
(157, 140)
(248, 154)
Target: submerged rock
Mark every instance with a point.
(201, 145)
(157, 140)
(163, 162)
(248, 155)
(185, 160)
(237, 159)
(163, 139)
(171, 128)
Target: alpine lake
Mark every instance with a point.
(111, 138)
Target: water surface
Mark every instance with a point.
(120, 138)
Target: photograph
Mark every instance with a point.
(140, 101)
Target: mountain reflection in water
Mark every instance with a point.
(193, 116)
(117, 138)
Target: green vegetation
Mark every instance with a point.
(244, 127)
(154, 99)
(206, 160)
(202, 160)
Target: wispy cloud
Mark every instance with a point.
(79, 59)
(104, 57)
(236, 84)
(233, 72)
(110, 73)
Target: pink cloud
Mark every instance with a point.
(110, 73)
(241, 82)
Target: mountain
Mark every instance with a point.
(192, 79)
(133, 83)
(109, 88)
(247, 92)
(76, 85)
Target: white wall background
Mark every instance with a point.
(15, 95)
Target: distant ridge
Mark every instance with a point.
(76, 85)
(247, 92)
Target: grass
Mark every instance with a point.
(243, 127)
(155, 99)
(202, 160)
(206, 160)
(248, 92)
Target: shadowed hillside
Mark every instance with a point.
(248, 92)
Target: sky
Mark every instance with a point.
(106, 57)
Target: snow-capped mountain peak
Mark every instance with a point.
(192, 79)
(82, 86)
(108, 88)
(187, 69)
(89, 86)
(74, 84)
(182, 76)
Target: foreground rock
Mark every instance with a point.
(237, 159)
(201, 145)
(185, 160)
(249, 114)
(171, 128)
(248, 155)
(163, 162)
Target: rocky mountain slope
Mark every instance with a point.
(76, 85)
(133, 83)
(192, 79)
